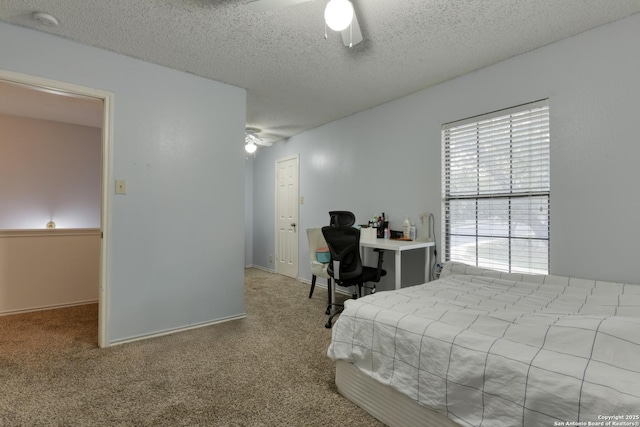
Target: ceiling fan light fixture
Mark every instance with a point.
(338, 14)
(250, 147)
(250, 140)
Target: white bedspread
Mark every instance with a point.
(495, 349)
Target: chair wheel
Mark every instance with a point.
(373, 291)
(328, 324)
(328, 312)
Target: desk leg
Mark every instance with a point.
(398, 269)
(427, 264)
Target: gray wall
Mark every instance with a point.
(389, 158)
(176, 259)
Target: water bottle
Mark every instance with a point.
(406, 228)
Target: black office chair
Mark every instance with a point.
(341, 218)
(346, 267)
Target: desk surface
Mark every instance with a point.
(395, 245)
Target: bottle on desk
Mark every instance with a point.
(406, 228)
(412, 231)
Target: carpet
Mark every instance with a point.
(269, 369)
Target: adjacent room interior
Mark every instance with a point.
(52, 156)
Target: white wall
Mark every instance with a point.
(48, 268)
(176, 257)
(54, 171)
(388, 158)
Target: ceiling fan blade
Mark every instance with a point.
(352, 35)
(264, 143)
(264, 5)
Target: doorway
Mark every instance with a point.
(69, 93)
(287, 189)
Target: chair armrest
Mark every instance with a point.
(335, 261)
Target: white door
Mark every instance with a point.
(287, 217)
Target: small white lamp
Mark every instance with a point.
(338, 14)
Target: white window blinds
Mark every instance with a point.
(495, 188)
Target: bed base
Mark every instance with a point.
(383, 402)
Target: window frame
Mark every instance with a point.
(452, 182)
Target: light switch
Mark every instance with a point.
(121, 186)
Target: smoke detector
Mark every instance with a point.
(45, 19)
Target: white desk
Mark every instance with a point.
(399, 246)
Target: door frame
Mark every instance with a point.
(295, 157)
(107, 171)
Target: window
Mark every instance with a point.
(495, 190)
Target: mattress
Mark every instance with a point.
(496, 349)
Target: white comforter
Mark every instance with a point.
(495, 349)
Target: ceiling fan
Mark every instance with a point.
(339, 15)
(252, 140)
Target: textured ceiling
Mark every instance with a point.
(45, 104)
(297, 80)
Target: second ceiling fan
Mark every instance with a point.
(339, 15)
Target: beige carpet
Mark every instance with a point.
(269, 369)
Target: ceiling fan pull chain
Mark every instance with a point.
(325, 30)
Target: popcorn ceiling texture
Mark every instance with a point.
(295, 79)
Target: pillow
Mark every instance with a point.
(323, 255)
(451, 268)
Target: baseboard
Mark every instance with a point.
(303, 280)
(259, 267)
(338, 290)
(48, 307)
(176, 330)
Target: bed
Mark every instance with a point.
(482, 348)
